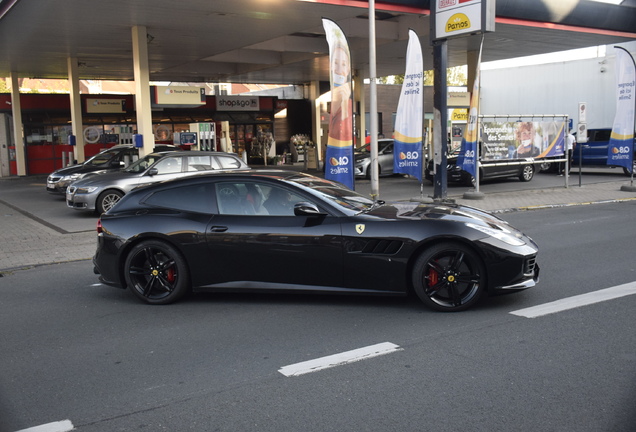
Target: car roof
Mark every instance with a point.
(194, 153)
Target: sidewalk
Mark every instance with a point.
(28, 240)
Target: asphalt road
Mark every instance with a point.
(91, 355)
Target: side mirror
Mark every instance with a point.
(307, 209)
(117, 164)
(153, 171)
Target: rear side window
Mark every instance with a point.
(190, 198)
(202, 163)
(228, 162)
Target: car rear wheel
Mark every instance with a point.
(107, 200)
(156, 272)
(449, 277)
(527, 172)
(627, 171)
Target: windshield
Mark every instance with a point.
(143, 164)
(103, 157)
(336, 194)
(367, 147)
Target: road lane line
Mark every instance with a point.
(577, 301)
(59, 426)
(339, 359)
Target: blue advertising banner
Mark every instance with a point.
(407, 153)
(469, 154)
(621, 145)
(523, 139)
(339, 158)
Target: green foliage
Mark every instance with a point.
(455, 77)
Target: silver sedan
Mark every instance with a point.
(101, 192)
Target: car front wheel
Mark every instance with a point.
(449, 277)
(107, 200)
(627, 171)
(527, 172)
(156, 272)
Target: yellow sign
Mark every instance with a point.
(457, 22)
(459, 114)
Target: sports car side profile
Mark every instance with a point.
(279, 231)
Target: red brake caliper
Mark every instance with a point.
(170, 275)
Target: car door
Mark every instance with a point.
(385, 159)
(253, 239)
(167, 168)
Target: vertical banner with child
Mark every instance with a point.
(339, 156)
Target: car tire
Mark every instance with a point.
(527, 173)
(106, 200)
(367, 175)
(156, 272)
(627, 171)
(449, 277)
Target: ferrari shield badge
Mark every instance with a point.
(359, 228)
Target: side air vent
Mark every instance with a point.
(382, 247)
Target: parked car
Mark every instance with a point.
(275, 230)
(594, 151)
(111, 159)
(100, 192)
(523, 169)
(362, 157)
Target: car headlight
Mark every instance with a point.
(72, 177)
(86, 189)
(498, 234)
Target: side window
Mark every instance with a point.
(169, 165)
(255, 199)
(191, 198)
(228, 162)
(201, 163)
(280, 201)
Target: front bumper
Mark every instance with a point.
(81, 201)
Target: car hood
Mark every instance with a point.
(75, 169)
(414, 210)
(104, 177)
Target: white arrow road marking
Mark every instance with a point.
(339, 359)
(578, 301)
(59, 426)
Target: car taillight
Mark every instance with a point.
(99, 226)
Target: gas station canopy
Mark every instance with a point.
(275, 41)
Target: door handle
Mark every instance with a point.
(218, 228)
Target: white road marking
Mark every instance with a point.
(577, 301)
(59, 426)
(339, 359)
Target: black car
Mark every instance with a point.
(522, 169)
(111, 159)
(276, 230)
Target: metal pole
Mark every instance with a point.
(440, 60)
(373, 112)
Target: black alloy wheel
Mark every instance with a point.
(107, 200)
(156, 272)
(449, 277)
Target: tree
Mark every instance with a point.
(455, 76)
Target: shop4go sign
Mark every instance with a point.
(459, 17)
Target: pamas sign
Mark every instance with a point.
(460, 17)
